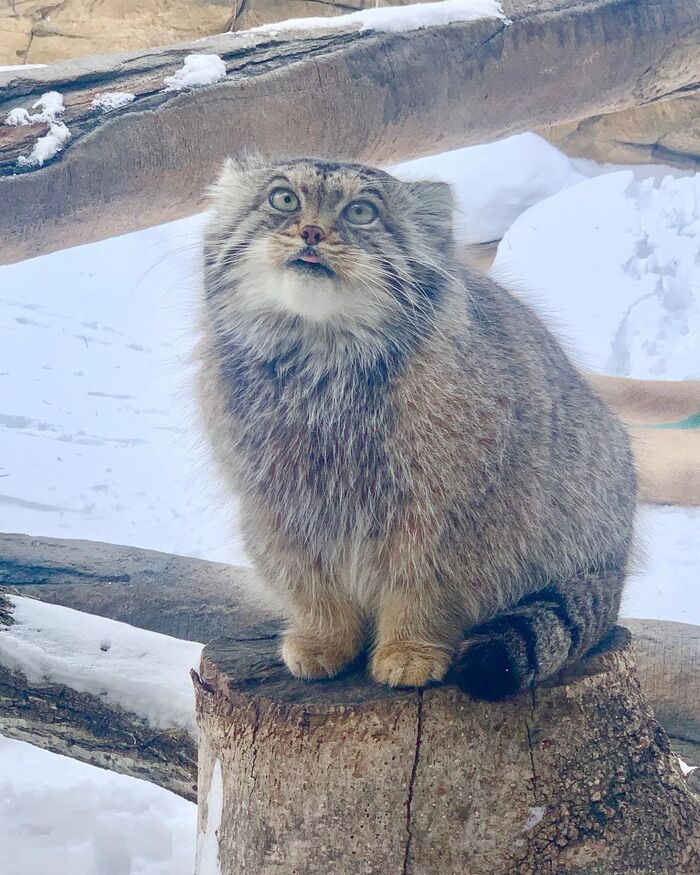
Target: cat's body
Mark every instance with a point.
(414, 453)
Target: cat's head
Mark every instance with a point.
(326, 241)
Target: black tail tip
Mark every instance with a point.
(487, 670)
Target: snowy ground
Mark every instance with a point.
(62, 817)
(98, 440)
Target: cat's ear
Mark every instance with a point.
(433, 207)
(237, 176)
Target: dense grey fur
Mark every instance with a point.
(415, 454)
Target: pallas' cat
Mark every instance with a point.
(420, 467)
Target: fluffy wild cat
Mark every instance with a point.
(419, 465)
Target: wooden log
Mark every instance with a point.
(83, 726)
(350, 777)
(379, 97)
(176, 595)
(668, 661)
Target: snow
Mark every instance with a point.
(110, 100)
(197, 70)
(143, 672)
(63, 817)
(207, 862)
(496, 182)
(47, 146)
(667, 586)
(399, 19)
(616, 260)
(50, 106)
(18, 116)
(97, 434)
(7, 68)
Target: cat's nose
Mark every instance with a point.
(312, 235)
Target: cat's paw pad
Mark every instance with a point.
(311, 659)
(408, 664)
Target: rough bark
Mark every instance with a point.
(380, 97)
(82, 726)
(350, 777)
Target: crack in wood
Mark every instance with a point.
(412, 783)
(531, 749)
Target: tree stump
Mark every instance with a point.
(350, 777)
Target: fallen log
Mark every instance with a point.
(187, 598)
(78, 719)
(348, 776)
(336, 91)
(668, 663)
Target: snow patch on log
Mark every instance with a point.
(10, 68)
(142, 672)
(112, 100)
(47, 146)
(50, 106)
(396, 19)
(197, 70)
(17, 116)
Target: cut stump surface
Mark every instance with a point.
(347, 776)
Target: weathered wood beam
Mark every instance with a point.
(379, 97)
(176, 595)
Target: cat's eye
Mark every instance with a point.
(284, 200)
(360, 212)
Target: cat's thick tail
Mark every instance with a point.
(546, 629)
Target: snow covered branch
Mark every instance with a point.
(107, 164)
(99, 691)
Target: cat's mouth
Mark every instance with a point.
(310, 261)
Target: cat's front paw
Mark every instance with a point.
(409, 664)
(312, 658)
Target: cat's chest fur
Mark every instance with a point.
(313, 441)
